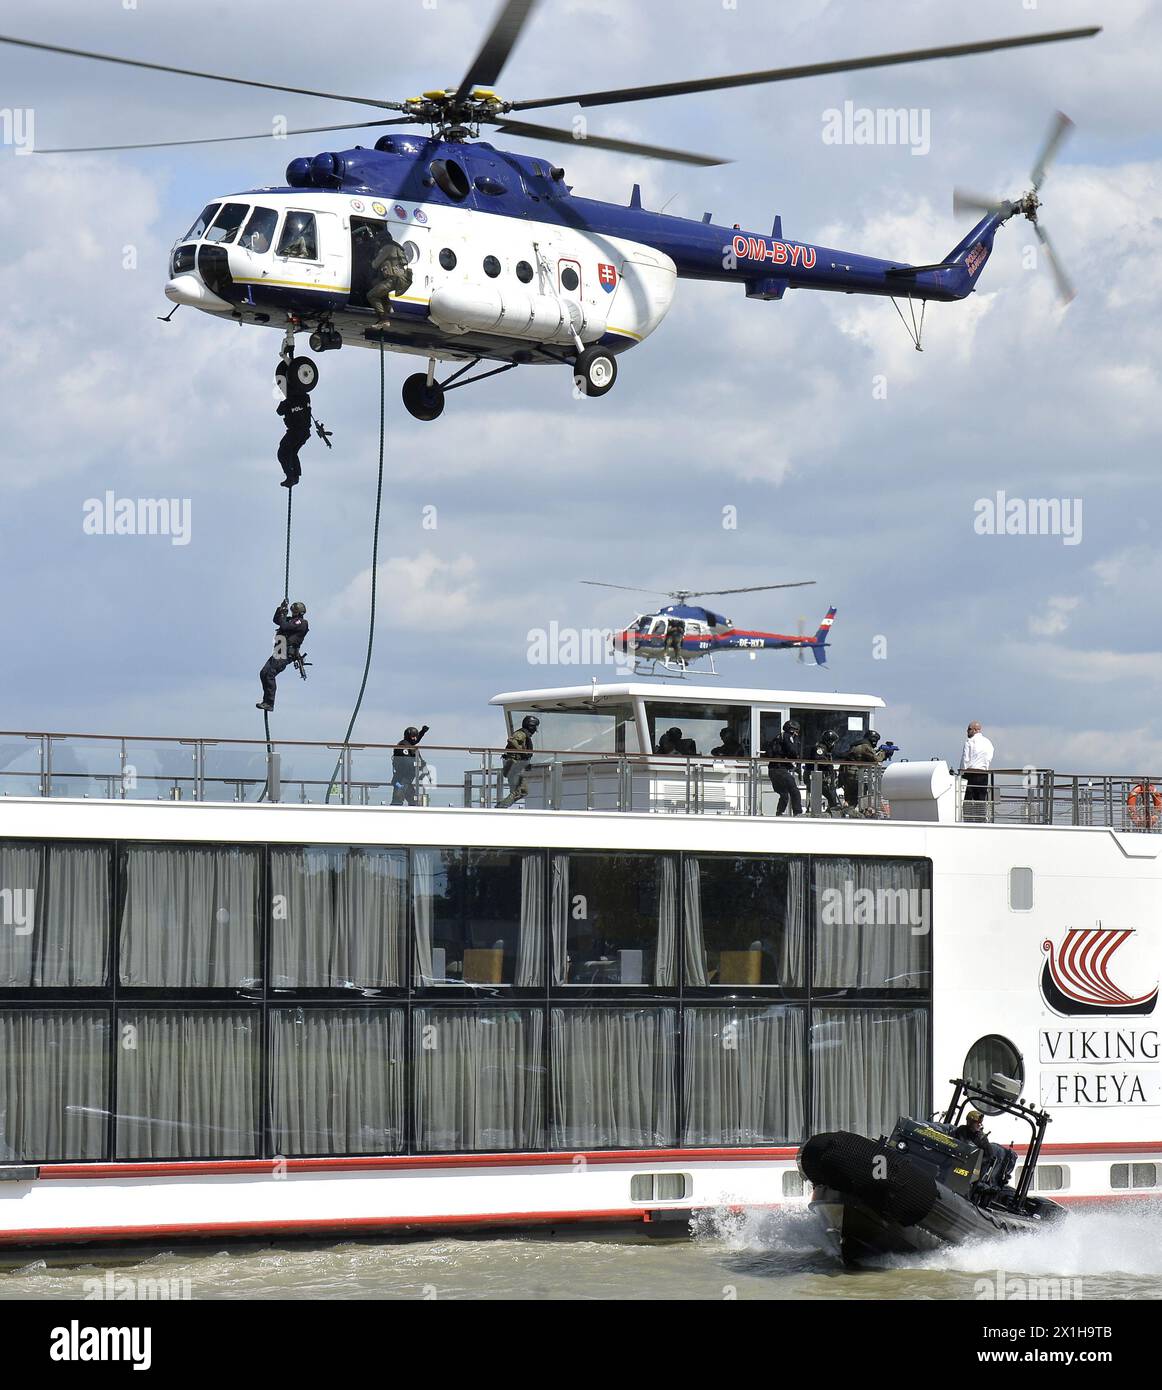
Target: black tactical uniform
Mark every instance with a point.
(405, 766)
(296, 413)
(675, 631)
(292, 628)
(783, 781)
(822, 750)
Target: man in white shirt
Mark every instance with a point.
(975, 760)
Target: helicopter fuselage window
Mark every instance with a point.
(491, 267)
(569, 278)
(198, 230)
(258, 234)
(448, 258)
(299, 239)
(226, 224)
(411, 251)
(524, 272)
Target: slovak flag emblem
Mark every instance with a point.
(607, 277)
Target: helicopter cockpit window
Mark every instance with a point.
(205, 217)
(226, 224)
(299, 238)
(258, 234)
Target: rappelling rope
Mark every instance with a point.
(374, 569)
(290, 498)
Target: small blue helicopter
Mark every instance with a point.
(675, 636)
(503, 264)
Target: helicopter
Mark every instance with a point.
(506, 265)
(678, 634)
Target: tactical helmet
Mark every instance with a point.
(411, 733)
(872, 737)
(298, 609)
(531, 723)
(829, 738)
(791, 726)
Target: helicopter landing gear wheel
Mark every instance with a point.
(423, 398)
(595, 371)
(306, 373)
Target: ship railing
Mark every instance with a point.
(1042, 796)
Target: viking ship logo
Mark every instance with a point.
(1075, 979)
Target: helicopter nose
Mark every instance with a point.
(189, 288)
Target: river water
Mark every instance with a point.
(1094, 1254)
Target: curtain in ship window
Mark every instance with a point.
(337, 917)
(336, 1080)
(53, 1078)
(793, 963)
(532, 920)
(665, 960)
(424, 865)
(559, 913)
(744, 1076)
(872, 924)
(869, 1066)
(692, 919)
(187, 1083)
(189, 917)
(54, 915)
(479, 1079)
(613, 1078)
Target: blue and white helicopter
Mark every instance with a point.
(507, 265)
(680, 633)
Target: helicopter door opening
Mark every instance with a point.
(368, 236)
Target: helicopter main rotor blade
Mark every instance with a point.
(753, 79)
(191, 72)
(965, 201)
(751, 589)
(602, 142)
(629, 588)
(1064, 285)
(1061, 127)
(218, 139)
(494, 51)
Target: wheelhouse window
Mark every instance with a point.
(744, 919)
(479, 917)
(607, 729)
(702, 724)
(873, 924)
(614, 919)
(226, 224)
(300, 238)
(54, 1066)
(189, 916)
(187, 1083)
(54, 915)
(479, 1079)
(815, 722)
(202, 221)
(743, 1075)
(337, 917)
(258, 234)
(337, 1081)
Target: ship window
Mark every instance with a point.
(299, 240)
(602, 729)
(54, 915)
(744, 920)
(226, 224)
(491, 267)
(613, 1078)
(189, 917)
(869, 1066)
(451, 179)
(188, 1083)
(337, 1081)
(524, 272)
(337, 918)
(53, 1084)
(1021, 890)
(872, 923)
(989, 1055)
(701, 723)
(258, 234)
(794, 1184)
(1124, 1175)
(614, 919)
(660, 1187)
(569, 278)
(203, 220)
(448, 258)
(744, 1071)
(1051, 1177)
(479, 917)
(479, 1079)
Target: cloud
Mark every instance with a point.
(1054, 619)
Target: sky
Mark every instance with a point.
(850, 459)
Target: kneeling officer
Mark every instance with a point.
(291, 622)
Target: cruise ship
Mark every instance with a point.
(243, 995)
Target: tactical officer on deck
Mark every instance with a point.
(517, 752)
(865, 751)
(730, 747)
(822, 750)
(406, 763)
(292, 629)
(783, 780)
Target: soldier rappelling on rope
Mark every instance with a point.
(291, 621)
(295, 409)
